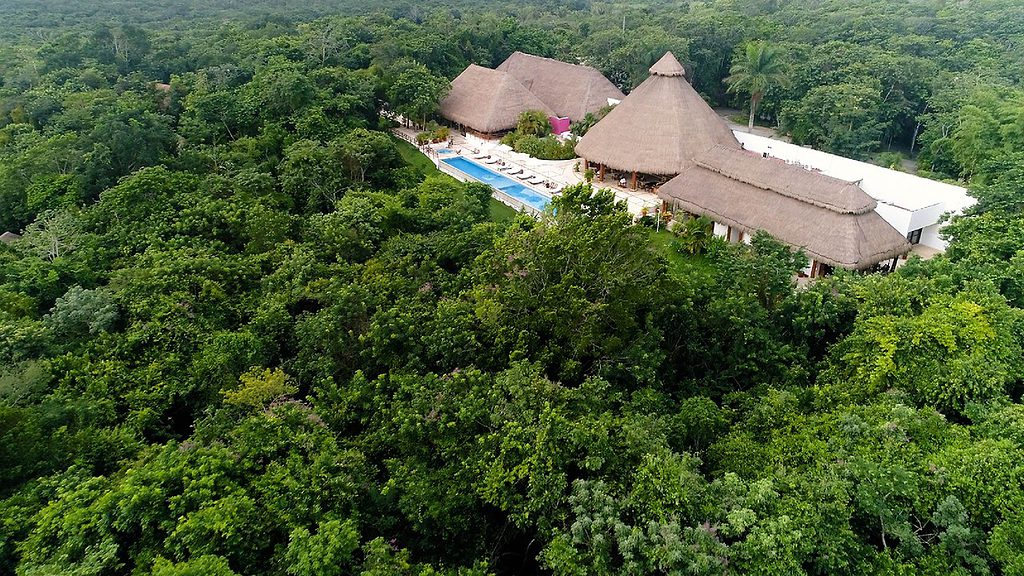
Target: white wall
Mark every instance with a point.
(905, 201)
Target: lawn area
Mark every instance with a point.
(413, 157)
(501, 212)
(679, 263)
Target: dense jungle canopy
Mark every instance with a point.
(246, 331)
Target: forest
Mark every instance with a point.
(246, 331)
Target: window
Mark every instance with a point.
(915, 236)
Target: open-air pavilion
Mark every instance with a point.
(656, 130)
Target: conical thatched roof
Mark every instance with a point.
(832, 220)
(8, 237)
(658, 128)
(570, 90)
(488, 101)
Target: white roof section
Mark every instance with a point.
(905, 201)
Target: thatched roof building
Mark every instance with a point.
(488, 101)
(832, 220)
(8, 237)
(570, 90)
(658, 128)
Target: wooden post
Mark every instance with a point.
(814, 268)
(586, 164)
(728, 233)
(601, 173)
(632, 183)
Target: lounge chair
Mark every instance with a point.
(490, 160)
(513, 171)
(536, 180)
(524, 176)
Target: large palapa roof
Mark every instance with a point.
(658, 128)
(488, 101)
(570, 90)
(832, 220)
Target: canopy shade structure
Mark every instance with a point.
(488, 101)
(659, 128)
(571, 90)
(832, 220)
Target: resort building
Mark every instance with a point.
(570, 90)
(665, 137)
(832, 220)
(664, 145)
(912, 205)
(656, 131)
(488, 101)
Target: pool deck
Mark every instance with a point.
(561, 172)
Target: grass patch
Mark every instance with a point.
(413, 157)
(678, 263)
(501, 212)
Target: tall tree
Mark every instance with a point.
(754, 70)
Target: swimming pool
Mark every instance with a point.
(444, 151)
(499, 182)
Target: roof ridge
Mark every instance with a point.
(736, 173)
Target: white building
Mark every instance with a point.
(910, 204)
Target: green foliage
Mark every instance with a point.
(448, 394)
(82, 311)
(415, 92)
(947, 353)
(546, 148)
(258, 388)
(533, 123)
(201, 566)
(533, 136)
(693, 235)
(842, 119)
(757, 68)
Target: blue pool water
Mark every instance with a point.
(501, 182)
(444, 150)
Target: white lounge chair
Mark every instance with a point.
(514, 171)
(536, 180)
(489, 160)
(524, 176)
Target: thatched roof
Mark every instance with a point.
(659, 128)
(8, 237)
(776, 175)
(570, 90)
(832, 220)
(488, 101)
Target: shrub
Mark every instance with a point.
(891, 160)
(693, 235)
(546, 148)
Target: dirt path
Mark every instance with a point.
(728, 113)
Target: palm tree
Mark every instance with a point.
(533, 122)
(756, 69)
